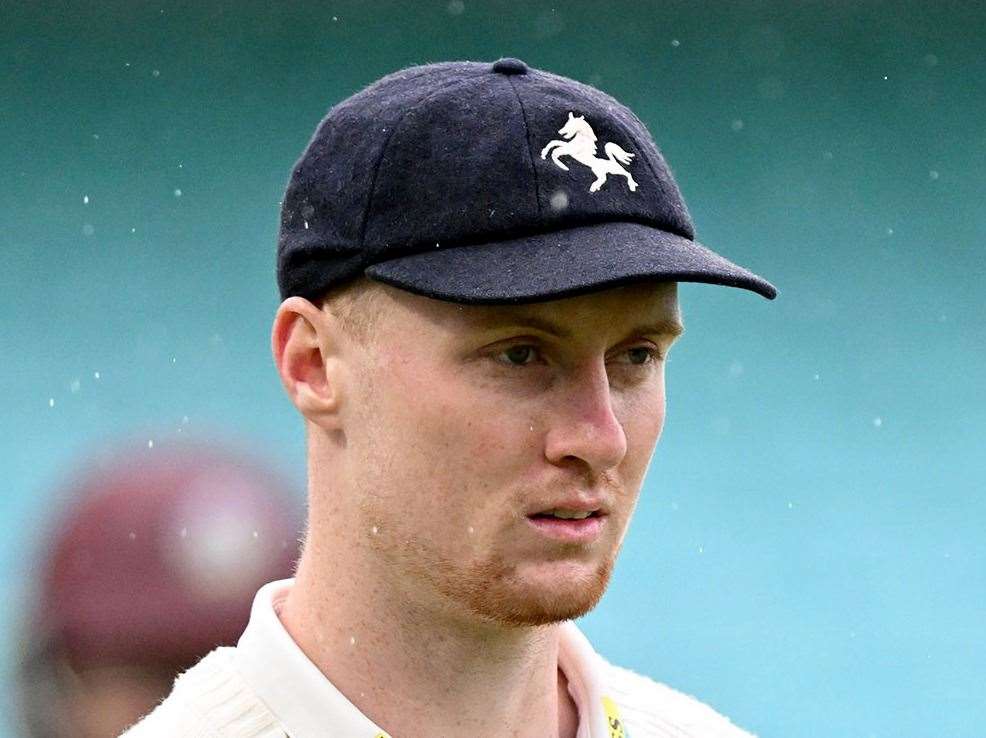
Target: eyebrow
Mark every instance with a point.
(663, 327)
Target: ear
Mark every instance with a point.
(305, 345)
(570, 116)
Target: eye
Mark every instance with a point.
(520, 355)
(643, 355)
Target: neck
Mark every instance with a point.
(481, 679)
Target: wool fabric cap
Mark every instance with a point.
(488, 184)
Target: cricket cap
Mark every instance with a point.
(488, 183)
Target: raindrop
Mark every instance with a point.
(471, 530)
(133, 230)
(183, 533)
(150, 443)
(374, 530)
(51, 402)
(885, 77)
(74, 386)
(456, 7)
(95, 375)
(352, 640)
(180, 165)
(177, 192)
(306, 225)
(156, 72)
(674, 505)
(890, 231)
(933, 174)
(827, 155)
(85, 199)
(559, 200)
(736, 125)
(132, 536)
(174, 359)
(256, 535)
(735, 369)
(335, 18)
(815, 377)
(184, 420)
(790, 506)
(88, 230)
(931, 60)
(701, 549)
(877, 422)
(675, 42)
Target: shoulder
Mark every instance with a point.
(210, 700)
(651, 709)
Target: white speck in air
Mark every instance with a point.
(852, 634)
(183, 533)
(150, 443)
(256, 535)
(816, 377)
(335, 18)
(306, 225)
(456, 7)
(95, 136)
(437, 245)
(132, 536)
(51, 402)
(559, 200)
(126, 64)
(95, 375)
(174, 359)
(790, 506)
(933, 174)
(85, 199)
(88, 230)
(735, 369)
(492, 210)
(942, 318)
(674, 505)
(471, 530)
(74, 386)
(890, 231)
(177, 192)
(877, 422)
(532, 429)
(828, 155)
(156, 73)
(931, 60)
(736, 125)
(180, 165)
(675, 42)
(352, 640)
(701, 549)
(133, 230)
(885, 77)
(374, 530)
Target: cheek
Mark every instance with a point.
(642, 417)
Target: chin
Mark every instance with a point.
(509, 597)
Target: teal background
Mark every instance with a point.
(808, 555)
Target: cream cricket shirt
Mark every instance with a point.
(266, 687)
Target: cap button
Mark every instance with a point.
(509, 65)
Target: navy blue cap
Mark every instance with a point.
(488, 183)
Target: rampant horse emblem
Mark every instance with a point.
(581, 146)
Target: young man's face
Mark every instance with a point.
(468, 425)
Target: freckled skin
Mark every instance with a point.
(441, 434)
(462, 453)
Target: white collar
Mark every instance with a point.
(306, 703)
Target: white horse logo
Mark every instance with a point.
(581, 146)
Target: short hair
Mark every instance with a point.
(357, 304)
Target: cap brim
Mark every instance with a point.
(573, 261)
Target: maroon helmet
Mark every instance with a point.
(160, 553)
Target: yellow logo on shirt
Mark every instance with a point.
(613, 720)
(381, 735)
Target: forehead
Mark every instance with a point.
(653, 305)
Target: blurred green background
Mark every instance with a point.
(809, 553)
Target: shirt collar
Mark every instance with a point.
(305, 702)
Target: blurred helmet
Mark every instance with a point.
(159, 554)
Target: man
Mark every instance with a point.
(150, 567)
(477, 305)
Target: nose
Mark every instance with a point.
(585, 426)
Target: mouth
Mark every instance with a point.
(569, 525)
